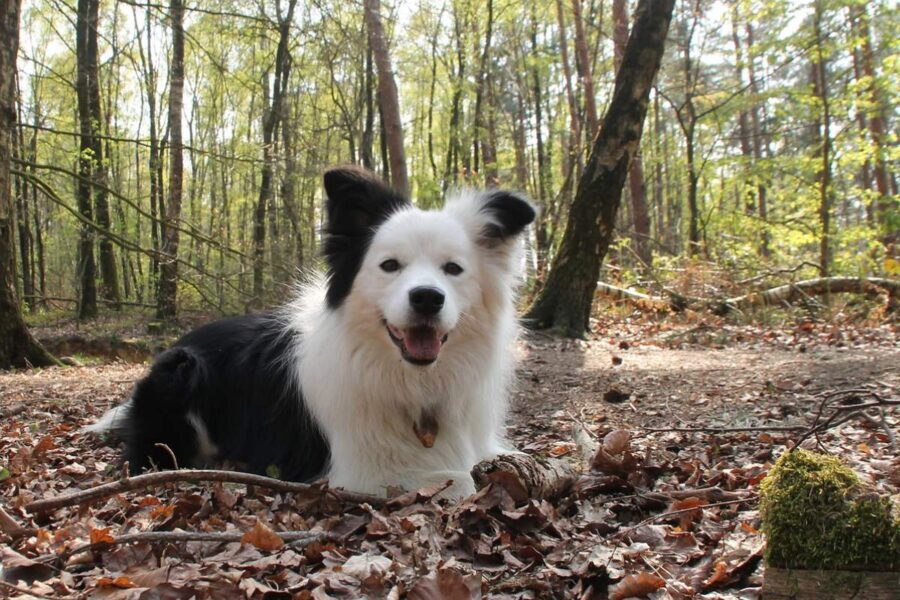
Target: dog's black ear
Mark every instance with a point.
(357, 201)
(509, 214)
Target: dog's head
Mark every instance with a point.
(415, 277)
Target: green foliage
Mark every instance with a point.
(818, 515)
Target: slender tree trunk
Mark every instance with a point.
(92, 165)
(758, 139)
(167, 301)
(638, 191)
(575, 144)
(542, 235)
(390, 103)
(451, 165)
(749, 205)
(583, 66)
(87, 301)
(368, 137)
(272, 116)
(22, 218)
(823, 143)
(565, 301)
(887, 201)
(482, 137)
(17, 347)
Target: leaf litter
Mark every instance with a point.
(653, 514)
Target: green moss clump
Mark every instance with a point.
(818, 515)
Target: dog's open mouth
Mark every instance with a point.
(419, 344)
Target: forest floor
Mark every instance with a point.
(610, 537)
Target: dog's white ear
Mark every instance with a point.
(357, 201)
(506, 215)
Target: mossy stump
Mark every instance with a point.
(829, 537)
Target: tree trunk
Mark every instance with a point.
(390, 103)
(887, 201)
(758, 137)
(17, 347)
(583, 66)
(743, 117)
(637, 189)
(482, 136)
(368, 137)
(272, 115)
(451, 165)
(565, 301)
(92, 166)
(575, 144)
(823, 143)
(167, 302)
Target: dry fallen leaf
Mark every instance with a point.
(636, 586)
(616, 441)
(447, 584)
(121, 582)
(720, 573)
(262, 537)
(685, 519)
(99, 536)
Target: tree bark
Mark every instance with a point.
(481, 145)
(91, 163)
(565, 301)
(638, 191)
(272, 115)
(822, 133)
(583, 66)
(390, 103)
(167, 302)
(17, 347)
(758, 138)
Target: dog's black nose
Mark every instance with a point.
(427, 301)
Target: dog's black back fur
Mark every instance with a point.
(235, 375)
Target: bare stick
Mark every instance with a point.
(725, 429)
(126, 484)
(11, 526)
(297, 539)
(674, 513)
(12, 410)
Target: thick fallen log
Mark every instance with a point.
(784, 584)
(870, 286)
(782, 294)
(525, 477)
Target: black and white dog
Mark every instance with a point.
(391, 371)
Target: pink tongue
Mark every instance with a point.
(422, 343)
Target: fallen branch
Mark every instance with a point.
(844, 412)
(11, 527)
(297, 539)
(525, 477)
(782, 294)
(11, 411)
(675, 513)
(126, 484)
(787, 428)
(816, 287)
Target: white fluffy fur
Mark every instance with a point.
(366, 397)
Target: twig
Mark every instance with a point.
(297, 539)
(673, 513)
(170, 453)
(126, 484)
(29, 593)
(11, 411)
(725, 429)
(11, 526)
(843, 413)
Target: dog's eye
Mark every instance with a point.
(390, 265)
(451, 268)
